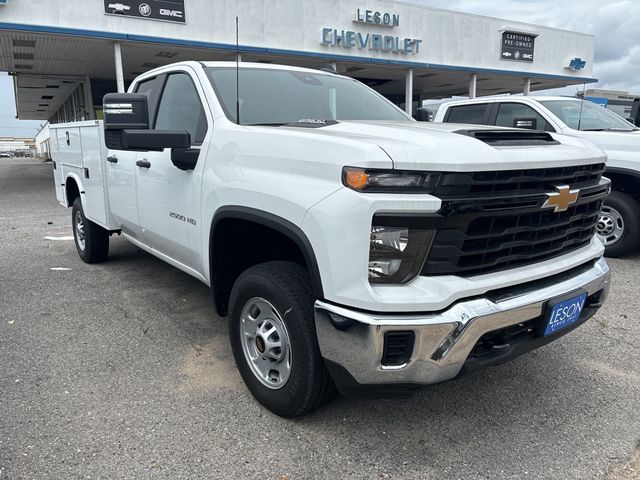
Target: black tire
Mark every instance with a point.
(285, 286)
(96, 239)
(625, 207)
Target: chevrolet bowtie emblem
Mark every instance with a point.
(561, 199)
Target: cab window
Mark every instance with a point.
(509, 112)
(180, 108)
(477, 114)
(151, 88)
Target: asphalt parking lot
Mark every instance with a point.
(122, 370)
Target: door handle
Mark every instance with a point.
(112, 159)
(143, 163)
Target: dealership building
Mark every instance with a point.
(65, 55)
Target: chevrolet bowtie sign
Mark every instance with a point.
(562, 198)
(167, 10)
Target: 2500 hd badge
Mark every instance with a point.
(179, 216)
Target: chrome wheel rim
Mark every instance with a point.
(265, 343)
(79, 227)
(610, 226)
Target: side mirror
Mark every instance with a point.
(126, 125)
(123, 111)
(530, 123)
(423, 115)
(185, 158)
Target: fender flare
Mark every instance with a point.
(278, 224)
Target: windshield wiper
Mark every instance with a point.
(305, 123)
(612, 129)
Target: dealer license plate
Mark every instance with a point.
(565, 313)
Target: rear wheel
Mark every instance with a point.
(92, 241)
(619, 224)
(273, 338)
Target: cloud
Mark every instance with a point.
(9, 126)
(614, 25)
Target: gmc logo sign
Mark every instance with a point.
(162, 10)
(170, 13)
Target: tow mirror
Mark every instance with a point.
(123, 111)
(154, 140)
(530, 123)
(126, 125)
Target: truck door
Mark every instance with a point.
(169, 199)
(121, 171)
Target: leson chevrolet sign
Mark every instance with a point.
(167, 10)
(332, 37)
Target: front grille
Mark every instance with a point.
(491, 221)
(517, 181)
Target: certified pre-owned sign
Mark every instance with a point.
(517, 46)
(168, 10)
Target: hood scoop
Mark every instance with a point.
(508, 138)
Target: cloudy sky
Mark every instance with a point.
(617, 62)
(9, 126)
(614, 23)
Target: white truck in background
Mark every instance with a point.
(349, 245)
(619, 224)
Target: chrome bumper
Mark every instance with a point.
(444, 340)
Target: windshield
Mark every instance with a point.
(593, 117)
(285, 96)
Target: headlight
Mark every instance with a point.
(387, 181)
(397, 254)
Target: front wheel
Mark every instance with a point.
(92, 241)
(273, 338)
(618, 225)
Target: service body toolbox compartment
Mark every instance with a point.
(79, 152)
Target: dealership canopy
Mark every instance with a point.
(65, 56)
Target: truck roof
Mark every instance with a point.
(508, 98)
(241, 65)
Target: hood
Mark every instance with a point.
(622, 148)
(429, 146)
(619, 141)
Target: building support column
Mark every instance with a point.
(88, 99)
(119, 74)
(527, 87)
(408, 91)
(473, 80)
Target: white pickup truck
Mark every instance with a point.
(619, 224)
(349, 245)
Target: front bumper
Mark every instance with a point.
(352, 342)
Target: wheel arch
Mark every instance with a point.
(278, 228)
(624, 180)
(73, 189)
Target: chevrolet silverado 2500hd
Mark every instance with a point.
(349, 245)
(619, 223)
